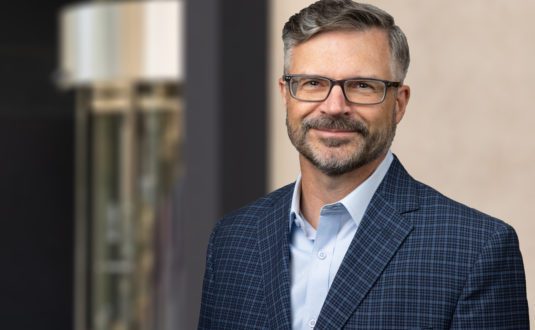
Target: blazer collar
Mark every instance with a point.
(381, 233)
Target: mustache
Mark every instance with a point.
(335, 123)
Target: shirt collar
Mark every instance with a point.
(356, 202)
(295, 210)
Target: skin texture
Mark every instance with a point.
(341, 143)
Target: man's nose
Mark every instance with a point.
(336, 103)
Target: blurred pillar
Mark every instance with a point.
(123, 61)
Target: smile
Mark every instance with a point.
(334, 133)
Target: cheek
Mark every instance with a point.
(379, 120)
(296, 112)
(292, 120)
(291, 115)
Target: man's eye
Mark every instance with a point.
(358, 85)
(311, 83)
(363, 86)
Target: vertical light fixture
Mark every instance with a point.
(123, 61)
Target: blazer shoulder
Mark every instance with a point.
(433, 208)
(251, 212)
(434, 203)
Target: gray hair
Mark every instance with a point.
(332, 15)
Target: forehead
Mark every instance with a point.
(343, 54)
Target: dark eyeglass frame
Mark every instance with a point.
(388, 84)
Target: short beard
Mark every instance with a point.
(371, 146)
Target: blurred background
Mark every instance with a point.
(208, 136)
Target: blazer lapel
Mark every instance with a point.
(273, 234)
(381, 233)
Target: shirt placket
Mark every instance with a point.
(322, 257)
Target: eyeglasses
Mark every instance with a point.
(364, 91)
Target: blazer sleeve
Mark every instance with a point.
(208, 294)
(494, 296)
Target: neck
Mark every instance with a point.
(319, 189)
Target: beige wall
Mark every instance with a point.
(467, 130)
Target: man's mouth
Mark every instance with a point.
(334, 133)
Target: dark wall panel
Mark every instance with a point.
(243, 81)
(36, 209)
(225, 128)
(36, 173)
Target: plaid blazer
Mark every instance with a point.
(418, 261)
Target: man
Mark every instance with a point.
(357, 243)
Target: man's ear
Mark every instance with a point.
(283, 90)
(402, 99)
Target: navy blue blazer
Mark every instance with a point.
(418, 261)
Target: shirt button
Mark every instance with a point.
(312, 323)
(322, 255)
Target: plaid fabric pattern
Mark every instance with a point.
(418, 261)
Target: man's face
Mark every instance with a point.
(334, 135)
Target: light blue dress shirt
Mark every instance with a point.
(316, 255)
